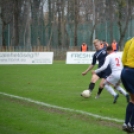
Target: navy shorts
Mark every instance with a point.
(127, 77)
(104, 74)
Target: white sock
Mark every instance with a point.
(121, 90)
(110, 90)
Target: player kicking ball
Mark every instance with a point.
(99, 56)
(113, 79)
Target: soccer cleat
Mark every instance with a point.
(124, 127)
(128, 128)
(115, 98)
(127, 97)
(97, 96)
(133, 129)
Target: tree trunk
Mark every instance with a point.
(109, 9)
(63, 25)
(75, 22)
(91, 36)
(49, 20)
(128, 16)
(3, 28)
(27, 31)
(123, 33)
(15, 24)
(59, 21)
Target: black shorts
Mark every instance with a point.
(104, 74)
(127, 77)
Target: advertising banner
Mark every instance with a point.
(26, 57)
(81, 57)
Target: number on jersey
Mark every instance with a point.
(117, 61)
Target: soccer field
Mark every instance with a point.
(59, 86)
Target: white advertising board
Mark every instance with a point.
(26, 57)
(81, 57)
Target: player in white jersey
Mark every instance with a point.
(114, 60)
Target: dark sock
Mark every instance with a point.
(132, 118)
(129, 111)
(91, 86)
(99, 90)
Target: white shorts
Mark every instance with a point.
(114, 78)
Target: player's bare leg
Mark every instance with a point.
(121, 90)
(111, 91)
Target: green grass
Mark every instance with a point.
(25, 118)
(58, 84)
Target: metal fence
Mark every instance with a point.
(39, 39)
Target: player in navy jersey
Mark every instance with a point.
(99, 56)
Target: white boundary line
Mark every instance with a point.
(61, 108)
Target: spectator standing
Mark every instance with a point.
(84, 47)
(104, 44)
(114, 45)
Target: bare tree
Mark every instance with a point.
(66, 22)
(15, 37)
(59, 3)
(75, 21)
(6, 17)
(110, 17)
(49, 20)
(124, 11)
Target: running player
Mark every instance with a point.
(114, 60)
(99, 56)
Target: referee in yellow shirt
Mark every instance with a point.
(127, 77)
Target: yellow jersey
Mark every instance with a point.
(128, 54)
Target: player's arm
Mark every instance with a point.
(91, 66)
(104, 66)
(88, 69)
